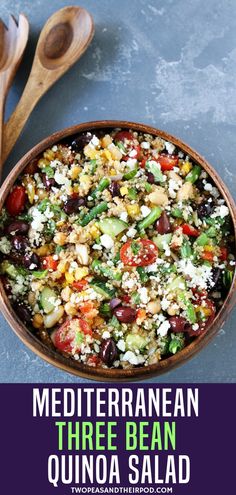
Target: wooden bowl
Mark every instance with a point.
(101, 374)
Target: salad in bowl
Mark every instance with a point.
(117, 249)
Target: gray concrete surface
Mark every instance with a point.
(169, 63)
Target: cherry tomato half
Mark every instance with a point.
(70, 335)
(49, 263)
(136, 153)
(138, 253)
(80, 285)
(208, 256)
(190, 230)
(16, 200)
(168, 162)
(123, 135)
(223, 253)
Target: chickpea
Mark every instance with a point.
(70, 309)
(60, 238)
(37, 321)
(154, 307)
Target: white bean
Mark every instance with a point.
(53, 318)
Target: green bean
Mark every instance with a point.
(189, 308)
(103, 184)
(177, 212)
(132, 193)
(130, 175)
(154, 214)
(194, 174)
(93, 213)
(185, 249)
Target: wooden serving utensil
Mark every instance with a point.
(13, 40)
(64, 38)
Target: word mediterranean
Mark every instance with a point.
(115, 402)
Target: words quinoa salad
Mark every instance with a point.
(116, 249)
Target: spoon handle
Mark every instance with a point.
(13, 127)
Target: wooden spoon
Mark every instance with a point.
(13, 41)
(64, 38)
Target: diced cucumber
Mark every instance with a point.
(135, 342)
(154, 169)
(102, 288)
(178, 283)
(161, 240)
(112, 226)
(47, 298)
(202, 240)
(186, 250)
(9, 269)
(40, 274)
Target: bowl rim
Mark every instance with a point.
(113, 374)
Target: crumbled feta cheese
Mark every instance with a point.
(165, 303)
(208, 186)
(38, 221)
(95, 141)
(145, 211)
(195, 326)
(131, 232)
(220, 211)
(107, 241)
(132, 358)
(121, 345)
(97, 247)
(132, 153)
(163, 328)
(131, 163)
(145, 145)
(170, 147)
(124, 216)
(106, 335)
(124, 238)
(143, 295)
(200, 276)
(61, 179)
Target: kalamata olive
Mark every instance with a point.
(18, 227)
(200, 185)
(179, 324)
(20, 243)
(31, 259)
(23, 312)
(72, 205)
(108, 351)
(32, 167)
(125, 314)
(48, 182)
(150, 178)
(114, 188)
(163, 225)
(205, 209)
(80, 141)
(115, 302)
